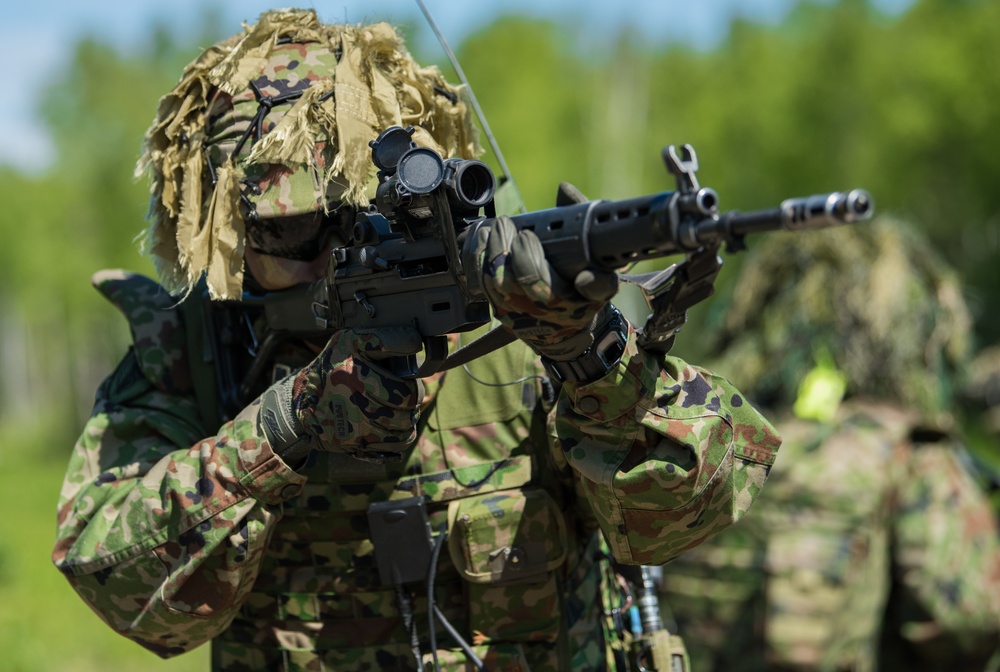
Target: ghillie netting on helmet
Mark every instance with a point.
(875, 299)
(275, 122)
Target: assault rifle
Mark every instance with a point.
(406, 257)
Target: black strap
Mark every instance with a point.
(494, 339)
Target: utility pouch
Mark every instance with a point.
(507, 536)
(401, 537)
(507, 546)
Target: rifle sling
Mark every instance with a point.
(494, 339)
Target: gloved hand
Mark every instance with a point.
(345, 402)
(555, 317)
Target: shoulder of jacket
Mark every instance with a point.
(157, 324)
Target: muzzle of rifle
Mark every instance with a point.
(825, 210)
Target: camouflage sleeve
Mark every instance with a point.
(947, 560)
(161, 531)
(667, 454)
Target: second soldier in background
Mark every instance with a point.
(873, 547)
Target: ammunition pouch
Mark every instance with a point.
(505, 545)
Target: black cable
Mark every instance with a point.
(433, 610)
(264, 105)
(431, 576)
(425, 415)
(469, 653)
(406, 612)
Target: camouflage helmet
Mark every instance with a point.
(871, 301)
(274, 123)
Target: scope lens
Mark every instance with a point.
(475, 183)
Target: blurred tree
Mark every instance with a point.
(940, 126)
(80, 216)
(842, 96)
(534, 90)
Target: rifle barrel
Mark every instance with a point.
(811, 212)
(612, 234)
(807, 213)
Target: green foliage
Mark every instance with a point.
(534, 101)
(98, 114)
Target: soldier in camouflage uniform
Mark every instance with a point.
(185, 519)
(980, 399)
(872, 547)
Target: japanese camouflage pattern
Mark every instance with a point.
(980, 399)
(275, 189)
(352, 406)
(274, 122)
(176, 533)
(702, 480)
(872, 549)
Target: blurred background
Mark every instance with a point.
(780, 98)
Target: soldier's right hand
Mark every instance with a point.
(345, 402)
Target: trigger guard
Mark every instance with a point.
(435, 352)
(406, 367)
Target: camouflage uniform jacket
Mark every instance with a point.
(177, 532)
(871, 549)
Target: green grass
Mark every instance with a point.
(43, 624)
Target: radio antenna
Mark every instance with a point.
(472, 97)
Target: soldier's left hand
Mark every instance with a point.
(553, 315)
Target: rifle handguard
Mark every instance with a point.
(603, 355)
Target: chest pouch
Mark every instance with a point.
(507, 536)
(508, 546)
